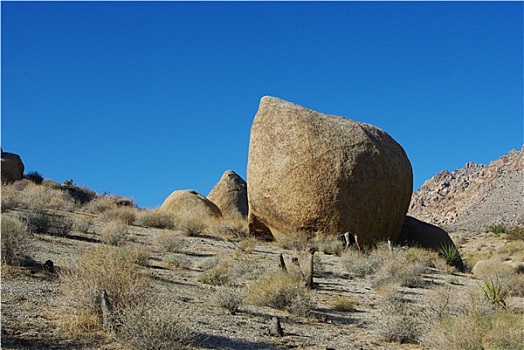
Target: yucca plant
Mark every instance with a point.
(494, 291)
(451, 255)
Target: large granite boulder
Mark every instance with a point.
(230, 195)
(188, 204)
(317, 174)
(12, 167)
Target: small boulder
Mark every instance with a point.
(316, 174)
(416, 233)
(230, 195)
(188, 203)
(12, 167)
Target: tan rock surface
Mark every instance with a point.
(189, 203)
(314, 173)
(230, 195)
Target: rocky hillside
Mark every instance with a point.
(474, 197)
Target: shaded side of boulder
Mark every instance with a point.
(230, 195)
(189, 203)
(416, 233)
(12, 167)
(317, 174)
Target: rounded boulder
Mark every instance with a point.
(318, 174)
(230, 195)
(189, 203)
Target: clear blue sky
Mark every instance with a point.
(140, 99)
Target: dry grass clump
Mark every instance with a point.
(48, 223)
(217, 275)
(361, 264)
(171, 241)
(297, 241)
(329, 245)
(115, 233)
(157, 325)
(281, 290)
(344, 304)
(15, 241)
(191, 226)
(230, 228)
(156, 219)
(125, 214)
(9, 199)
(37, 198)
(230, 298)
(100, 204)
(101, 268)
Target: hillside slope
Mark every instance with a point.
(474, 197)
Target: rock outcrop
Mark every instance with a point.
(474, 197)
(317, 174)
(188, 203)
(12, 167)
(230, 195)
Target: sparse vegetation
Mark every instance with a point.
(156, 219)
(115, 233)
(14, 241)
(281, 290)
(494, 291)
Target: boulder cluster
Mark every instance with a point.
(314, 174)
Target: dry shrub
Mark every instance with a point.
(513, 250)
(115, 233)
(125, 214)
(180, 261)
(102, 268)
(192, 226)
(281, 290)
(15, 241)
(247, 245)
(38, 198)
(230, 228)
(344, 304)
(229, 298)
(219, 274)
(329, 245)
(100, 204)
(297, 241)
(155, 326)
(83, 224)
(361, 264)
(45, 222)
(155, 219)
(9, 197)
(469, 322)
(171, 241)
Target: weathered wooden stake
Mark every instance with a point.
(282, 263)
(297, 263)
(107, 312)
(309, 283)
(356, 241)
(275, 329)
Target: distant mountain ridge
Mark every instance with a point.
(474, 197)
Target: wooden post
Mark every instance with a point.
(275, 329)
(297, 263)
(309, 283)
(282, 263)
(107, 312)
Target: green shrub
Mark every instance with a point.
(452, 256)
(14, 241)
(497, 228)
(80, 194)
(494, 292)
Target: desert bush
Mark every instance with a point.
(9, 197)
(100, 204)
(83, 224)
(245, 268)
(52, 224)
(329, 245)
(216, 275)
(15, 241)
(247, 245)
(155, 219)
(115, 233)
(102, 268)
(344, 304)
(361, 264)
(229, 298)
(79, 194)
(191, 226)
(125, 214)
(180, 261)
(516, 233)
(42, 198)
(230, 228)
(497, 228)
(158, 326)
(171, 241)
(34, 177)
(296, 241)
(281, 290)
